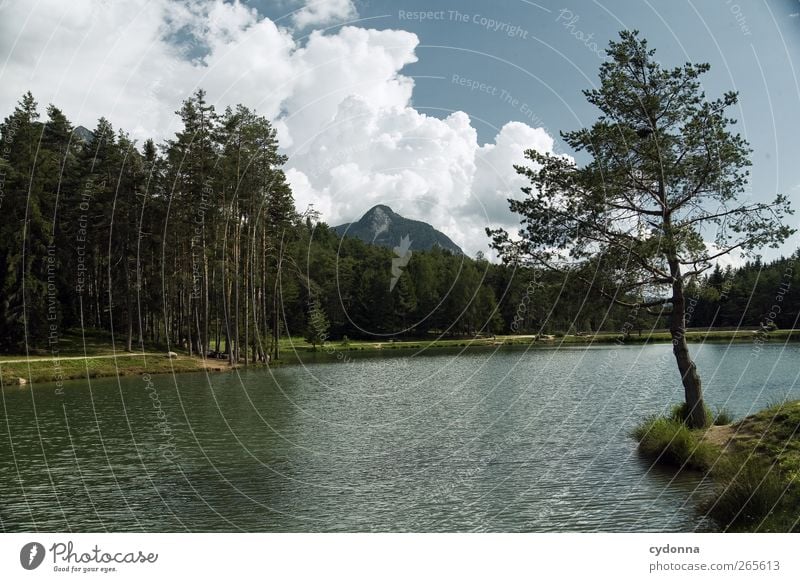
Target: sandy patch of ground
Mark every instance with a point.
(719, 435)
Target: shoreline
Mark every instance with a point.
(22, 370)
(59, 370)
(753, 462)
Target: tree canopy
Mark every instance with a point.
(660, 200)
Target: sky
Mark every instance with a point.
(423, 106)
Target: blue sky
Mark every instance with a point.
(753, 47)
(539, 73)
(407, 103)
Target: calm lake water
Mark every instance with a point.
(509, 440)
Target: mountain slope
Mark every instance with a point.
(382, 226)
(83, 134)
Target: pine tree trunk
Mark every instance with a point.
(227, 307)
(692, 386)
(189, 318)
(276, 314)
(246, 293)
(128, 300)
(236, 283)
(204, 335)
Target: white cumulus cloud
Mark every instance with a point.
(324, 12)
(340, 100)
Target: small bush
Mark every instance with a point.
(723, 417)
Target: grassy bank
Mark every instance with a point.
(93, 354)
(51, 370)
(754, 463)
(555, 340)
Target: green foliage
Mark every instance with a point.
(679, 413)
(774, 433)
(759, 482)
(722, 417)
(649, 152)
(755, 475)
(25, 231)
(44, 370)
(637, 214)
(318, 325)
(752, 495)
(671, 442)
(196, 242)
(182, 245)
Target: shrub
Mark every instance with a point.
(723, 417)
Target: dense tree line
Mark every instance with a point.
(178, 244)
(763, 294)
(196, 243)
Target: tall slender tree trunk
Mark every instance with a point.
(188, 329)
(226, 289)
(276, 314)
(97, 295)
(246, 292)
(225, 283)
(215, 309)
(692, 386)
(264, 295)
(129, 339)
(128, 299)
(204, 334)
(236, 285)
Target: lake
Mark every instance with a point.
(482, 440)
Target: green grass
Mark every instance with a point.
(556, 339)
(773, 433)
(680, 413)
(723, 417)
(671, 442)
(74, 343)
(757, 472)
(39, 367)
(692, 336)
(752, 494)
(96, 343)
(37, 371)
(93, 354)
